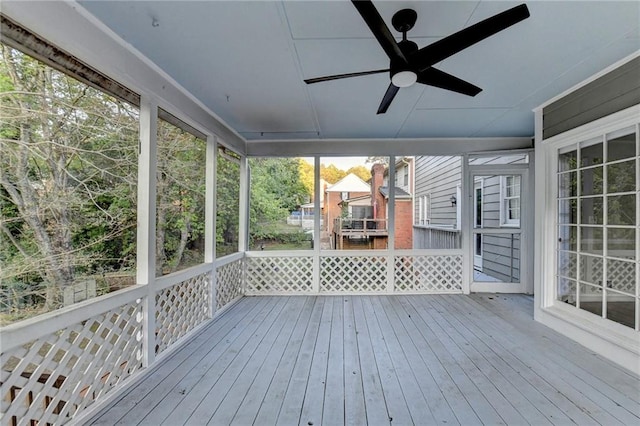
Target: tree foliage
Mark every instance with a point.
(276, 190)
(68, 176)
(227, 203)
(305, 171)
(180, 199)
(362, 172)
(331, 173)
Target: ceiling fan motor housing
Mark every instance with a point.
(403, 74)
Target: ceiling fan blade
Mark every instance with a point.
(456, 42)
(388, 97)
(441, 79)
(339, 76)
(379, 29)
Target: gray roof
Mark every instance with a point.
(400, 193)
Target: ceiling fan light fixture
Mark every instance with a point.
(404, 78)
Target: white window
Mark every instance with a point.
(596, 251)
(406, 176)
(510, 201)
(424, 210)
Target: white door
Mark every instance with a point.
(498, 218)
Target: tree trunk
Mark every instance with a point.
(184, 239)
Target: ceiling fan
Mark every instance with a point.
(409, 65)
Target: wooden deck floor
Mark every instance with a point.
(399, 360)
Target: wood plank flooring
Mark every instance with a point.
(380, 360)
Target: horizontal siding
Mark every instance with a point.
(612, 92)
(498, 259)
(438, 176)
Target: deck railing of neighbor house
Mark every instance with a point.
(56, 366)
(436, 237)
(348, 226)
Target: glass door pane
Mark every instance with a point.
(496, 229)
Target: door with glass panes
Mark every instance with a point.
(498, 214)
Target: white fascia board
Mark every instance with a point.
(70, 27)
(383, 147)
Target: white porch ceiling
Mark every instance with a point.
(246, 61)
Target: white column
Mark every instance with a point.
(467, 201)
(146, 241)
(316, 224)
(391, 220)
(210, 217)
(243, 226)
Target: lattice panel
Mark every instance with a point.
(622, 275)
(53, 378)
(353, 273)
(279, 274)
(228, 283)
(180, 308)
(433, 274)
(567, 264)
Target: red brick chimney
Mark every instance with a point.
(377, 199)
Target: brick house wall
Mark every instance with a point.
(403, 225)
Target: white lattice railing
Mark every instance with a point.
(229, 277)
(181, 306)
(340, 272)
(441, 273)
(273, 273)
(360, 273)
(56, 365)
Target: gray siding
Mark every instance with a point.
(612, 92)
(499, 259)
(438, 176)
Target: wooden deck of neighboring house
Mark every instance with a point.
(430, 359)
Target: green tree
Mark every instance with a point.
(227, 202)
(68, 176)
(306, 172)
(361, 171)
(331, 173)
(276, 190)
(180, 199)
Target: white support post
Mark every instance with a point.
(316, 224)
(210, 217)
(146, 241)
(391, 220)
(466, 233)
(243, 226)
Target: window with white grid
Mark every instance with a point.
(510, 208)
(597, 205)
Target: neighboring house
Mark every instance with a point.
(364, 222)
(496, 205)
(348, 187)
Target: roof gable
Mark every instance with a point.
(350, 183)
